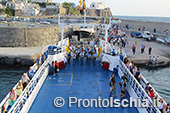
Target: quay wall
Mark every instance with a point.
(159, 26)
(29, 36)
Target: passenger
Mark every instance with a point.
(132, 67)
(150, 50)
(123, 86)
(65, 61)
(113, 85)
(12, 97)
(88, 57)
(153, 60)
(137, 76)
(127, 65)
(150, 61)
(38, 61)
(166, 108)
(81, 57)
(161, 105)
(25, 80)
(74, 58)
(147, 88)
(69, 57)
(134, 70)
(19, 88)
(151, 93)
(42, 58)
(126, 60)
(94, 57)
(30, 73)
(157, 59)
(133, 49)
(142, 48)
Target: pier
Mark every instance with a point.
(158, 49)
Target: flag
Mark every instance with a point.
(84, 5)
(81, 1)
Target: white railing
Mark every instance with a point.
(6, 101)
(111, 47)
(25, 100)
(136, 90)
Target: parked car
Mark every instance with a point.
(167, 40)
(147, 35)
(136, 34)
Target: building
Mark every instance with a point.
(19, 8)
(55, 9)
(31, 9)
(10, 4)
(98, 5)
(99, 9)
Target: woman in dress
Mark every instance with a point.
(19, 88)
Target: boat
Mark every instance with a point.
(87, 81)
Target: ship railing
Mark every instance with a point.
(6, 101)
(25, 100)
(110, 47)
(144, 82)
(136, 90)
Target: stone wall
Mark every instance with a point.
(29, 36)
(159, 26)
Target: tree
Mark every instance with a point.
(10, 12)
(70, 9)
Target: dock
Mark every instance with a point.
(23, 56)
(158, 49)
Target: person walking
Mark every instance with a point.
(142, 48)
(81, 57)
(133, 49)
(150, 50)
(113, 85)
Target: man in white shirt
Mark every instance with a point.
(25, 80)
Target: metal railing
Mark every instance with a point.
(26, 98)
(111, 47)
(6, 101)
(137, 89)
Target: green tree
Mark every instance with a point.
(10, 12)
(70, 9)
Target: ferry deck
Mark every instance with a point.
(87, 81)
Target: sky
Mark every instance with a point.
(158, 8)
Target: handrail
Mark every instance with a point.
(157, 94)
(19, 103)
(5, 102)
(136, 86)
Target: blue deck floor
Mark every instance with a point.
(88, 82)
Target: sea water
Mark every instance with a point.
(9, 76)
(145, 18)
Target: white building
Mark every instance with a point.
(19, 6)
(98, 5)
(31, 10)
(46, 1)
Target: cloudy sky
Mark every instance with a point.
(159, 8)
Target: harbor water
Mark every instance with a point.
(9, 76)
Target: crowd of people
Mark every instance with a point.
(25, 79)
(117, 36)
